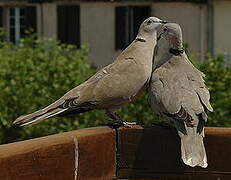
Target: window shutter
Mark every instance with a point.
(140, 13)
(69, 24)
(120, 27)
(1, 17)
(31, 18)
(61, 13)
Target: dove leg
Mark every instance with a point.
(117, 120)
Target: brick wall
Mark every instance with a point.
(102, 153)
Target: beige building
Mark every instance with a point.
(222, 28)
(107, 26)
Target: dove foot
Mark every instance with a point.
(118, 124)
(115, 124)
(128, 124)
(117, 121)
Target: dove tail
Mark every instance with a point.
(37, 116)
(192, 148)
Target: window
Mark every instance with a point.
(17, 24)
(128, 20)
(21, 19)
(68, 24)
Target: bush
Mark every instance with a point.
(218, 79)
(34, 74)
(37, 72)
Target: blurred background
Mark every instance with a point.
(50, 46)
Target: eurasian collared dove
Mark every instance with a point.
(178, 93)
(111, 87)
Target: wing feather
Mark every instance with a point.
(178, 91)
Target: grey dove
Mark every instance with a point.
(178, 93)
(111, 87)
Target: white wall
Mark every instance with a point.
(97, 25)
(97, 30)
(193, 19)
(222, 26)
(49, 19)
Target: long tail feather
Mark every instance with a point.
(192, 148)
(37, 116)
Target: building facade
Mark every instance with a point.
(108, 26)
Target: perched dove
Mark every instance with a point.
(113, 86)
(178, 93)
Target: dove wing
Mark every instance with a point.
(178, 90)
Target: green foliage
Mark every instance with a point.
(33, 75)
(218, 79)
(39, 71)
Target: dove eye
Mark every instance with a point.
(149, 22)
(165, 29)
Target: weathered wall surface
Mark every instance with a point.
(97, 30)
(48, 20)
(97, 24)
(193, 19)
(100, 33)
(222, 26)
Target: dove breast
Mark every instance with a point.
(177, 83)
(120, 82)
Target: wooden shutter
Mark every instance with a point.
(69, 24)
(127, 23)
(140, 13)
(31, 18)
(120, 27)
(61, 13)
(1, 17)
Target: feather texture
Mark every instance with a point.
(117, 84)
(178, 93)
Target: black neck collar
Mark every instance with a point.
(176, 52)
(140, 39)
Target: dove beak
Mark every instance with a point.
(164, 22)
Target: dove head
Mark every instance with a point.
(169, 43)
(149, 27)
(173, 34)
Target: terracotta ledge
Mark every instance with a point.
(87, 154)
(104, 154)
(154, 153)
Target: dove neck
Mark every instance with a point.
(146, 36)
(176, 45)
(164, 50)
(176, 50)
